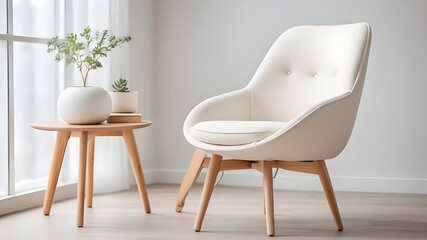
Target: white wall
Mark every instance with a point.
(141, 74)
(192, 50)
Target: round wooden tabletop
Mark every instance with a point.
(62, 126)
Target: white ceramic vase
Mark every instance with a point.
(124, 102)
(84, 105)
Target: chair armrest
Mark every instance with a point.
(321, 132)
(229, 106)
(323, 129)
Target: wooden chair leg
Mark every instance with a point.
(137, 168)
(90, 169)
(263, 199)
(81, 179)
(329, 192)
(55, 169)
(268, 196)
(190, 177)
(213, 169)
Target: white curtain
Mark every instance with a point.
(112, 167)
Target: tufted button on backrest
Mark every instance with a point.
(307, 65)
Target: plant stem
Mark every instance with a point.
(85, 78)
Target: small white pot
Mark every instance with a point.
(84, 105)
(124, 102)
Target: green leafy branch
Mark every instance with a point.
(85, 52)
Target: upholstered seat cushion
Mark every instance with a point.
(231, 133)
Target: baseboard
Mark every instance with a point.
(297, 181)
(35, 198)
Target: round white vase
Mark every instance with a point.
(84, 105)
(124, 102)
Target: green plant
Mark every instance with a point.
(85, 51)
(120, 85)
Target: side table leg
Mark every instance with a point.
(136, 167)
(82, 178)
(90, 167)
(55, 169)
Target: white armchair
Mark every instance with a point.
(297, 111)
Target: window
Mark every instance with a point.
(30, 83)
(4, 169)
(4, 166)
(3, 17)
(34, 18)
(28, 91)
(34, 100)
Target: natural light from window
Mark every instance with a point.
(33, 77)
(35, 101)
(3, 17)
(34, 18)
(3, 120)
(30, 83)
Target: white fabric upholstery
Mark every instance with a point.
(305, 66)
(234, 132)
(312, 79)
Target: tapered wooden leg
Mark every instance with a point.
(55, 169)
(136, 167)
(329, 192)
(268, 196)
(263, 199)
(90, 169)
(82, 178)
(190, 177)
(213, 169)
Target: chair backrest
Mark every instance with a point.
(308, 65)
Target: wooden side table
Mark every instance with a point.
(87, 134)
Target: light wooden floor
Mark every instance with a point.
(234, 213)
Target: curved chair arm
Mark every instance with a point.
(321, 132)
(229, 106)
